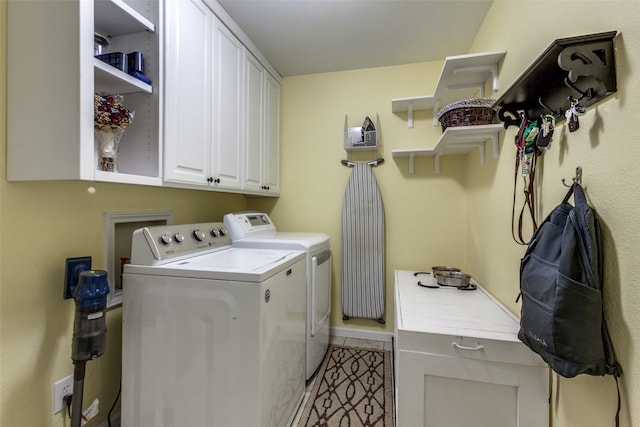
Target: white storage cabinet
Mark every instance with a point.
(222, 107)
(203, 96)
(262, 129)
(188, 71)
(52, 76)
(459, 363)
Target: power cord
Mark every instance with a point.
(114, 403)
(67, 400)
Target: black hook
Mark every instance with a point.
(576, 179)
(588, 94)
(557, 112)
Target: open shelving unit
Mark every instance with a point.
(62, 145)
(462, 77)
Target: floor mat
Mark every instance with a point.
(352, 388)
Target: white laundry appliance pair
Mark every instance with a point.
(256, 230)
(213, 335)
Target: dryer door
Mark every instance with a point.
(320, 290)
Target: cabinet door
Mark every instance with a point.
(271, 157)
(226, 154)
(459, 392)
(254, 124)
(187, 106)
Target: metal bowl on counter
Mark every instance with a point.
(454, 278)
(443, 270)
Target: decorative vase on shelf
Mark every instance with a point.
(108, 140)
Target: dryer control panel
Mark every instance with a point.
(249, 224)
(159, 244)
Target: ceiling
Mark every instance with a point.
(315, 36)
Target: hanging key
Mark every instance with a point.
(546, 131)
(572, 120)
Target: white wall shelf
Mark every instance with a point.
(456, 141)
(62, 146)
(116, 18)
(111, 80)
(461, 77)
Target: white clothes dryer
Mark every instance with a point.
(212, 335)
(256, 230)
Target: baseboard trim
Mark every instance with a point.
(363, 334)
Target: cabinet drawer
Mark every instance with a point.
(469, 348)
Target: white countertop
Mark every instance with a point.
(451, 311)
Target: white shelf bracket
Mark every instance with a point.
(411, 163)
(410, 115)
(494, 77)
(436, 107)
(436, 162)
(480, 145)
(493, 69)
(496, 146)
(478, 86)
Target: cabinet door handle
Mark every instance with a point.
(464, 347)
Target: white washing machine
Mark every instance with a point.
(256, 230)
(212, 335)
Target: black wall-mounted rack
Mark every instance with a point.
(579, 68)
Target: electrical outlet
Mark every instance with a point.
(60, 390)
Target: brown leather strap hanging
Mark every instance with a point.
(529, 188)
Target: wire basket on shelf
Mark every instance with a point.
(467, 112)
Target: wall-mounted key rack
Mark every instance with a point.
(576, 69)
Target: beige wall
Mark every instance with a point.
(463, 215)
(460, 216)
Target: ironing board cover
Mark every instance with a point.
(363, 246)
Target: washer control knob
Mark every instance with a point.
(263, 218)
(198, 235)
(214, 232)
(165, 239)
(222, 232)
(178, 237)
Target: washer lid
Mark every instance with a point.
(233, 264)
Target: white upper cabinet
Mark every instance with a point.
(271, 177)
(228, 54)
(190, 120)
(218, 132)
(254, 123)
(188, 100)
(262, 129)
(52, 77)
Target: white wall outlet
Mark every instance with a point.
(60, 390)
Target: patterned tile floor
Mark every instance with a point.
(346, 342)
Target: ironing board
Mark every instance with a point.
(362, 246)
